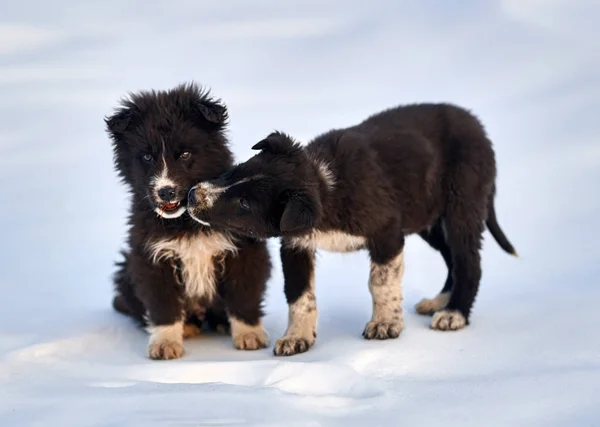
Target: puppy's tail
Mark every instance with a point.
(494, 228)
(125, 300)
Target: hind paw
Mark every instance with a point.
(191, 330)
(429, 306)
(448, 320)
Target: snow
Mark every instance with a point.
(531, 356)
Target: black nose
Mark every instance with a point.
(192, 197)
(166, 193)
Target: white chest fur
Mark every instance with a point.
(331, 241)
(198, 257)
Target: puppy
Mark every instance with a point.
(177, 272)
(427, 169)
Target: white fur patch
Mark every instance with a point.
(302, 323)
(166, 341)
(326, 174)
(324, 170)
(331, 241)
(248, 337)
(196, 254)
(162, 180)
(385, 285)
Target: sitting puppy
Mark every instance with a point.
(427, 169)
(178, 272)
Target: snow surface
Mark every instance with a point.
(530, 70)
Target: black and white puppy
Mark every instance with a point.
(177, 272)
(427, 169)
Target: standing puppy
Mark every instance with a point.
(426, 169)
(178, 272)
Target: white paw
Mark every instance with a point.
(383, 330)
(448, 320)
(290, 345)
(248, 337)
(166, 341)
(429, 306)
(253, 340)
(165, 350)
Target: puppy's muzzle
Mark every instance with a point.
(201, 197)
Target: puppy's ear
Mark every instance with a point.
(212, 111)
(118, 122)
(300, 213)
(276, 143)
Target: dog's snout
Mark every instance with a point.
(167, 194)
(198, 197)
(192, 196)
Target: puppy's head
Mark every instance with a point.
(274, 193)
(165, 142)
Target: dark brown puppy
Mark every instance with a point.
(178, 272)
(426, 169)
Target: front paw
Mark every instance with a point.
(448, 320)
(165, 350)
(288, 346)
(251, 340)
(247, 336)
(381, 330)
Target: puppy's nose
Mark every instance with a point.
(166, 193)
(192, 197)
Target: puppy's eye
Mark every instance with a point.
(244, 204)
(185, 155)
(147, 157)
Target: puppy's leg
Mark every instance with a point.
(217, 320)
(385, 285)
(464, 238)
(299, 274)
(437, 240)
(246, 274)
(163, 298)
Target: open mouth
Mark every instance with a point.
(170, 210)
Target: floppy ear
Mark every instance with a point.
(276, 143)
(212, 111)
(118, 122)
(300, 213)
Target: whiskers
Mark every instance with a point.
(144, 198)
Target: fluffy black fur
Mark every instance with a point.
(426, 168)
(164, 142)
